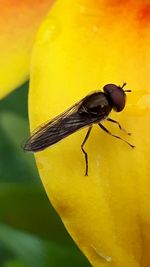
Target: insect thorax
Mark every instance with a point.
(96, 105)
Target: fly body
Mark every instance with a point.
(92, 109)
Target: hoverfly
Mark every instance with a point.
(92, 109)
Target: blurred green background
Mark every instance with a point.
(31, 233)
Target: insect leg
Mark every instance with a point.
(120, 127)
(85, 154)
(118, 137)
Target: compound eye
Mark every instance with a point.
(118, 99)
(108, 88)
(116, 95)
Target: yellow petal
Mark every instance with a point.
(19, 21)
(77, 51)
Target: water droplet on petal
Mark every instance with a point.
(138, 103)
(101, 255)
(48, 31)
(144, 102)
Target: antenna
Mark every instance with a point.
(127, 91)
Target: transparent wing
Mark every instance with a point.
(54, 130)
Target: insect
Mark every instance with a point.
(92, 109)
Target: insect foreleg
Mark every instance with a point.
(120, 127)
(85, 154)
(118, 137)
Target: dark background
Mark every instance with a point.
(31, 233)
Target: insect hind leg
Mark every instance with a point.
(85, 153)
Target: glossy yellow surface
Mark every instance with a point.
(81, 46)
(19, 21)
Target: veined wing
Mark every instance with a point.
(56, 129)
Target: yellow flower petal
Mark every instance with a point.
(19, 21)
(78, 51)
